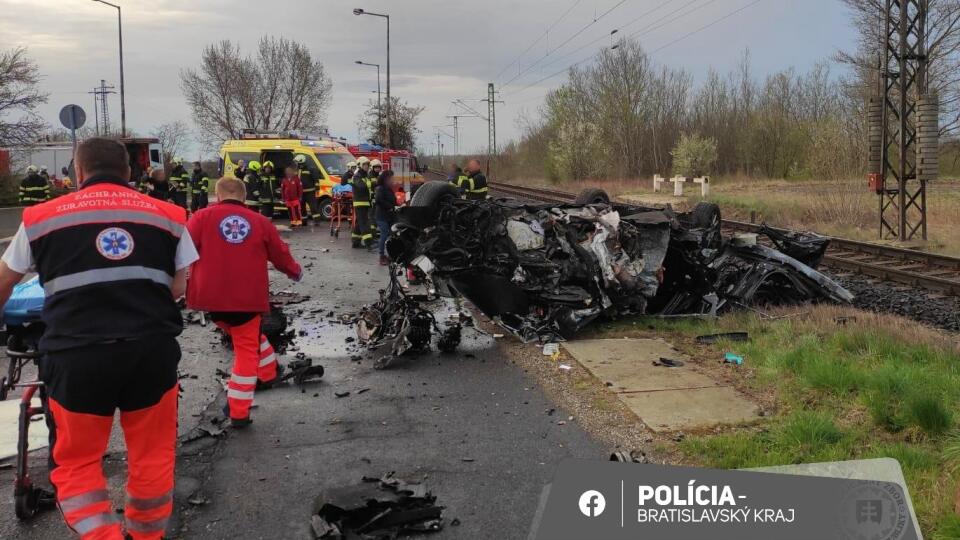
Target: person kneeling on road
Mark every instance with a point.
(235, 240)
(386, 202)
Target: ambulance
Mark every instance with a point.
(327, 158)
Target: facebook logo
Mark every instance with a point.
(592, 503)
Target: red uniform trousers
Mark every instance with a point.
(294, 207)
(85, 386)
(253, 360)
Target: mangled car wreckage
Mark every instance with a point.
(547, 270)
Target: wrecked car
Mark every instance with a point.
(545, 271)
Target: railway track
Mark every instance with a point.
(913, 268)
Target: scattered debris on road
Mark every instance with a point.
(376, 509)
(544, 271)
(404, 324)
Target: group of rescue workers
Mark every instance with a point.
(35, 187)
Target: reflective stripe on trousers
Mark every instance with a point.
(254, 359)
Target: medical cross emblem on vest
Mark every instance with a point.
(234, 229)
(115, 243)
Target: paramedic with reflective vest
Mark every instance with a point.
(234, 240)
(112, 262)
(360, 234)
(348, 175)
(476, 182)
(179, 183)
(457, 179)
(199, 187)
(309, 208)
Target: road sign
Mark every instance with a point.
(72, 117)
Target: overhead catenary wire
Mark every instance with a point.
(615, 31)
(681, 38)
(568, 40)
(544, 34)
(653, 26)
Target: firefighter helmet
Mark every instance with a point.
(351, 164)
(267, 163)
(361, 160)
(375, 163)
(254, 166)
(43, 168)
(178, 161)
(300, 159)
(32, 169)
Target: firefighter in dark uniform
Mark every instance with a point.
(360, 234)
(309, 205)
(457, 178)
(199, 187)
(44, 174)
(268, 187)
(476, 182)
(112, 262)
(179, 183)
(33, 189)
(376, 167)
(252, 183)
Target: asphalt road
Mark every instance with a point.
(473, 425)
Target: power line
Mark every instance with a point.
(702, 28)
(612, 32)
(545, 32)
(571, 38)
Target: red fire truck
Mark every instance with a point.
(406, 170)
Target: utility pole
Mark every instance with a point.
(491, 124)
(903, 124)
(456, 130)
(101, 112)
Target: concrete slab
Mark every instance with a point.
(9, 420)
(666, 399)
(671, 410)
(627, 364)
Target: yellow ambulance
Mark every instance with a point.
(326, 158)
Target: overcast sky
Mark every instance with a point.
(441, 50)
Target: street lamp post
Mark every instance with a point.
(360, 11)
(379, 110)
(123, 102)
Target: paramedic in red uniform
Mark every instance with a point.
(236, 241)
(111, 261)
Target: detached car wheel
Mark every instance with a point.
(431, 194)
(592, 196)
(326, 208)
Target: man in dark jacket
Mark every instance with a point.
(476, 188)
(252, 184)
(384, 206)
(179, 183)
(199, 187)
(347, 176)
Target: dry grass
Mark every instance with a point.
(840, 208)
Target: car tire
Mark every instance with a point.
(592, 196)
(431, 194)
(704, 215)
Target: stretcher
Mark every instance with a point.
(22, 321)
(341, 209)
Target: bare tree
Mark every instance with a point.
(282, 88)
(403, 125)
(19, 98)
(174, 136)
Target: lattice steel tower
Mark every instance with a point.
(903, 122)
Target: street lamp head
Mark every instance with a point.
(358, 62)
(357, 11)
